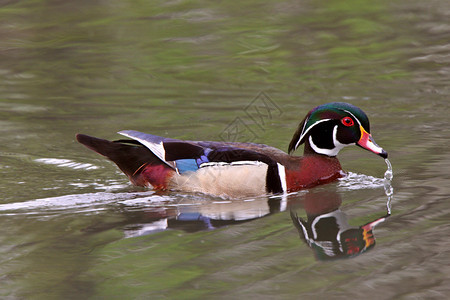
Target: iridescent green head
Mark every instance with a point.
(330, 127)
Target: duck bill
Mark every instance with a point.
(367, 142)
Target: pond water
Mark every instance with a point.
(71, 224)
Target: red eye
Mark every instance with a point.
(347, 121)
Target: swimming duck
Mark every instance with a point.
(234, 169)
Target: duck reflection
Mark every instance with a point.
(208, 215)
(326, 229)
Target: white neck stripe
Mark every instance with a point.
(330, 152)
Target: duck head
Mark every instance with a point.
(330, 127)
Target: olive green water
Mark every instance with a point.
(72, 227)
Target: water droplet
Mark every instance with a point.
(388, 175)
(388, 189)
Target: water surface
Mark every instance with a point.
(72, 225)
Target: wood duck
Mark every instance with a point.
(233, 169)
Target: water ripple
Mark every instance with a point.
(355, 181)
(89, 202)
(66, 163)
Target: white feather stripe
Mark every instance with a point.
(282, 175)
(156, 148)
(359, 123)
(330, 152)
(234, 163)
(307, 130)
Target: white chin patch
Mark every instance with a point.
(330, 152)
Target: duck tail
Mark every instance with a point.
(134, 159)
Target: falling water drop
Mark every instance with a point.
(388, 175)
(388, 189)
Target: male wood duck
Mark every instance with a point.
(233, 169)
